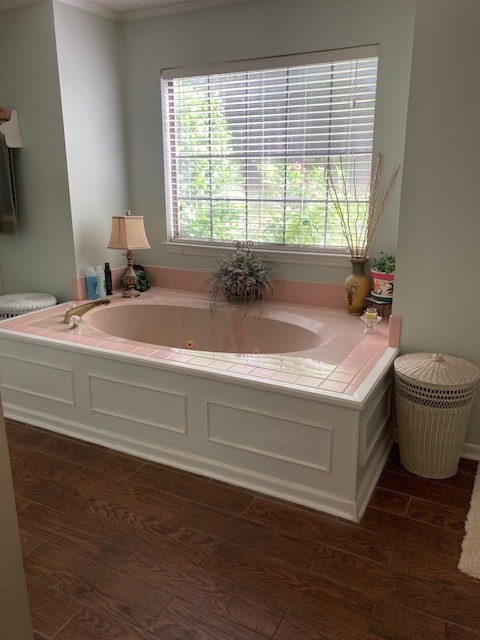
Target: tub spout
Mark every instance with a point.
(83, 308)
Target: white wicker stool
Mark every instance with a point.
(15, 304)
(434, 395)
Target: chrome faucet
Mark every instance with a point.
(83, 308)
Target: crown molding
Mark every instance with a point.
(179, 7)
(127, 15)
(95, 8)
(13, 4)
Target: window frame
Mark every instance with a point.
(302, 254)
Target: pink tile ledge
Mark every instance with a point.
(263, 373)
(344, 378)
(331, 385)
(282, 376)
(347, 368)
(144, 351)
(341, 377)
(241, 368)
(221, 365)
(309, 381)
(179, 357)
(394, 331)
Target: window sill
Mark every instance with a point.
(286, 256)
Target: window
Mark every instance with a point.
(249, 147)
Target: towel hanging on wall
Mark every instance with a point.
(10, 127)
(8, 203)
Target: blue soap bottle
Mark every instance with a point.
(92, 284)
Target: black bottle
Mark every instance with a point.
(108, 279)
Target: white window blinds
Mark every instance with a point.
(248, 152)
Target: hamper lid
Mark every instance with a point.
(18, 303)
(436, 369)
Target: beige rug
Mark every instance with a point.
(470, 556)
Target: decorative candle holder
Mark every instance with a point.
(370, 319)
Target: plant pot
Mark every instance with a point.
(382, 285)
(241, 294)
(357, 287)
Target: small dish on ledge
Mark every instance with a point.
(370, 318)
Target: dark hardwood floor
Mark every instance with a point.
(119, 548)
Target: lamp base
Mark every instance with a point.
(131, 293)
(130, 278)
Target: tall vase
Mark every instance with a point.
(357, 287)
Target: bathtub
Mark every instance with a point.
(289, 400)
(209, 328)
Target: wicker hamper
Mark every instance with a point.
(433, 394)
(16, 304)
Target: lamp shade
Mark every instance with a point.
(128, 232)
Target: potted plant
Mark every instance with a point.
(242, 276)
(383, 274)
(358, 215)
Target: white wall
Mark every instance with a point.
(250, 30)
(88, 47)
(41, 256)
(72, 170)
(68, 196)
(438, 291)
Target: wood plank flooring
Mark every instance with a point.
(116, 548)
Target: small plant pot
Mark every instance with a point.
(243, 295)
(382, 285)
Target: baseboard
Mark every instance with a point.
(471, 451)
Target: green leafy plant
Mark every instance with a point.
(243, 275)
(384, 263)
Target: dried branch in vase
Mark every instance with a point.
(359, 216)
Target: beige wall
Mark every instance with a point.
(88, 50)
(65, 209)
(15, 623)
(61, 70)
(41, 256)
(74, 169)
(251, 30)
(438, 291)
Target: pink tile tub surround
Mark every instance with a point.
(316, 293)
(337, 363)
(395, 331)
(79, 285)
(186, 280)
(296, 291)
(79, 288)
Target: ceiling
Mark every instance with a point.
(131, 9)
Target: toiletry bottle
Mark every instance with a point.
(92, 286)
(108, 279)
(100, 281)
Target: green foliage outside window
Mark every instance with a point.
(223, 192)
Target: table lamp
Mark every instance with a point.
(128, 233)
